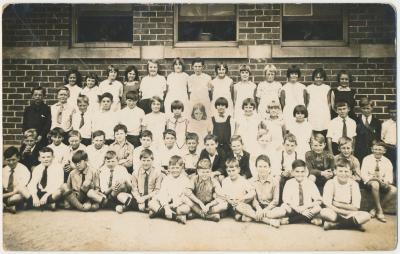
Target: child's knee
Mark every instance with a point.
(392, 189)
(183, 209)
(374, 185)
(154, 205)
(362, 217)
(328, 214)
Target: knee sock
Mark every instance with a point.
(347, 223)
(297, 218)
(73, 200)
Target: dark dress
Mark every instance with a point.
(365, 137)
(223, 132)
(346, 96)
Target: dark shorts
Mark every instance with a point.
(40, 194)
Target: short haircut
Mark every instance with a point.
(46, 150)
(180, 61)
(293, 69)
(79, 155)
(129, 69)
(221, 101)
(269, 67)
(210, 137)
(31, 133)
(146, 153)
(176, 160)
(198, 60)
(378, 143)
(298, 163)
(170, 132)
(77, 74)
(153, 61)
(98, 133)
(156, 98)
(10, 152)
(204, 164)
(219, 65)
(365, 101)
(110, 154)
(341, 104)
(146, 133)
(94, 76)
(105, 95)
(39, 88)
(318, 137)
(319, 71)
(344, 140)
(111, 68)
(236, 138)
(343, 163)
(261, 133)
(132, 95)
(202, 108)
(300, 109)
(177, 104)
(192, 136)
(263, 157)
(231, 160)
(290, 137)
(249, 101)
(62, 89)
(56, 131)
(74, 133)
(120, 127)
(343, 72)
(245, 67)
(82, 99)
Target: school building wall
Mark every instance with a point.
(36, 50)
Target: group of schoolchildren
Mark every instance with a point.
(267, 153)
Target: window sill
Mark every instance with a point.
(280, 51)
(313, 43)
(106, 53)
(206, 44)
(102, 45)
(206, 52)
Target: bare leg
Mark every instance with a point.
(389, 196)
(328, 214)
(276, 213)
(376, 196)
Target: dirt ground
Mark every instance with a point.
(106, 230)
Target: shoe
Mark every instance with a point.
(329, 225)
(152, 214)
(246, 219)
(316, 221)
(360, 228)
(238, 217)
(52, 206)
(381, 217)
(372, 213)
(128, 201)
(119, 209)
(10, 209)
(191, 216)
(66, 204)
(181, 219)
(213, 217)
(284, 221)
(274, 223)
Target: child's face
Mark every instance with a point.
(237, 147)
(146, 142)
(343, 111)
(244, 75)
(177, 112)
(263, 170)
(37, 96)
(233, 170)
(178, 67)
(264, 140)
(221, 71)
(300, 117)
(155, 106)
(293, 77)
(105, 103)
(74, 142)
(221, 109)
(12, 161)
(46, 158)
(393, 114)
(198, 68)
(62, 96)
(175, 170)
(211, 146)
(366, 110)
(378, 151)
(269, 76)
(169, 140)
(72, 79)
(198, 115)
(191, 145)
(317, 147)
(81, 166)
(248, 109)
(344, 80)
(111, 163)
(346, 149)
(30, 141)
(153, 69)
(343, 174)
(131, 76)
(289, 146)
(204, 173)
(98, 142)
(318, 79)
(146, 162)
(90, 82)
(299, 173)
(120, 136)
(112, 74)
(131, 103)
(82, 106)
(56, 140)
(273, 111)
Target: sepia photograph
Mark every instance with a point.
(199, 126)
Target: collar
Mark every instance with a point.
(241, 154)
(142, 171)
(269, 179)
(339, 88)
(116, 144)
(216, 153)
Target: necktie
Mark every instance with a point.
(43, 181)
(111, 178)
(377, 168)
(344, 131)
(83, 177)
(10, 186)
(301, 195)
(59, 114)
(82, 121)
(146, 184)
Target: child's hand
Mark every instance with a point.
(140, 200)
(36, 201)
(43, 200)
(168, 212)
(116, 186)
(307, 213)
(259, 214)
(27, 149)
(67, 167)
(204, 208)
(286, 173)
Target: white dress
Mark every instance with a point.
(116, 89)
(318, 109)
(274, 128)
(222, 88)
(303, 132)
(198, 89)
(177, 90)
(74, 92)
(156, 124)
(243, 91)
(201, 128)
(248, 129)
(267, 92)
(93, 95)
(294, 95)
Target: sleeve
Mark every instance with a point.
(331, 162)
(357, 169)
(69, 181)
(286, 193)
(330, 132)
(309, 164)
(47, 123)
(275, 199)
(135, 187)
(217, 186)
(327, 197)
(389, 171)
(316, 196)
(355, 195)
(163, 195)
(259, 90)
(384, 132)
(32, 186)
(26, 176)
(364, 170)
(159, 180)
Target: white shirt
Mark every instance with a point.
(236, 189)
(120, 175)
(59, 152)
(96, 157)
(335, 128)
(290, 194)
(364, 119)
(70, 153)
(173, 189)
(74, 92)
(156, 124)
(86, 129)
(55, 178)
(21, 175)
(389, 132)
(368, 167)
(66, 117)
(166, 154)
(132, 119)
(348, 193)
(105, 121)
(136, 157)
(153, 86)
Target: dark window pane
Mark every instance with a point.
(105, 29)
(312, 30)
(207, 31)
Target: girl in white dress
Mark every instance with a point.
(293, 93)
(199, 123)
(243, 90)
(319, 103)
(113, 86)
(268, 90)
(131, 82)
(222, 86)
(155, 122)
(92, 91)
(73, 81)
(178, 123)
(199, 86)
(177, 86)
(273, 123)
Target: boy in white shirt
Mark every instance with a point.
(389, 136)
(169, 149)
(61, 112)
(59, 148)
(97, 150)
(146, 140)
(74, 146)
(82, 119)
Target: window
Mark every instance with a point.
(313, 25)
(102, 25)
(205, 24)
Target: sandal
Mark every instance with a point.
(381, 217)
(372, 213)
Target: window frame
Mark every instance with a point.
(318, 43)
(200, 44)
(76, 8)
